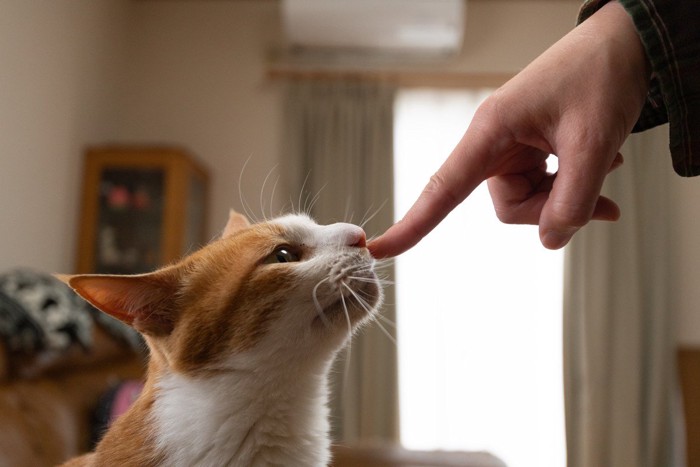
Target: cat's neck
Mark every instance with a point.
(248, 417)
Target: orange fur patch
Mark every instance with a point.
(221, 309)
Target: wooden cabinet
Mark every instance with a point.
(141, 208)
(689, 375)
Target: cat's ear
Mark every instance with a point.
(146, 302)
(236, 222)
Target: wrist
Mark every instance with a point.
(613, 21)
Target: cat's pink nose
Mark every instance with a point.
(360, 240)
(354, 235)
(347, 234)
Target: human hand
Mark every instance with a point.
(579, 100)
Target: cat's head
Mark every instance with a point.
(278, 292)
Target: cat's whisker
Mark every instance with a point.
(272, 196)
(363, 269)
(301, 193)
(364, 216)
(384, 264)
(364, 305)
(246, 208)
(386, 260)
(371, 280)
(348, 352)
(360, 268)
(374, 214)
(304, 207)
(385, 332)
(309, 201)
(384, 277)
(362, 278)
(355, 275)
(262, 192)
(345, 309)
(361, 301)
(315, 199)
(352, 268)
(319, 308)
(386, 320)
(363, 295)
(383, 274)
(347, 210)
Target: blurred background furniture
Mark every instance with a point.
(396, 456)
(689, 372)
(142, 207)
(46, 410)
(58, 357)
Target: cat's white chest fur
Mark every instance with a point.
(230, 421)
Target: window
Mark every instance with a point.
(479, 309)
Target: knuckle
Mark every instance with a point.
(506, 215)
(438, 187)
(491, 109)
(572, 215)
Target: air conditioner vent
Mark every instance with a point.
(410, 26)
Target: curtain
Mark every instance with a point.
(339, 158)
(621, 391)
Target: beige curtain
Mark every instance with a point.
(339, 149)
(619, 343)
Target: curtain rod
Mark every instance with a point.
(402, 78)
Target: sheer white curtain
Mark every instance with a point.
(619, 343)
(339, 156)
(479, 308)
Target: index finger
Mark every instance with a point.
(458, 176)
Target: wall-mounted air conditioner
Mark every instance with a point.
(386, 26)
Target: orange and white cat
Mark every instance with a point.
(241, 334)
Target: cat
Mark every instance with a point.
(241, 335)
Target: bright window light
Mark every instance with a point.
(479, 309)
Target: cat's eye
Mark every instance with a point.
(283, 254)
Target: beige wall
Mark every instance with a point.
(80, 72)
(197, 78)
(506, 35)
(58, 61)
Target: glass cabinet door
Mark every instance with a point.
(143, 208)
(130, 220)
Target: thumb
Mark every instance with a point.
(575, 197)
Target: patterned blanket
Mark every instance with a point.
(38, 313)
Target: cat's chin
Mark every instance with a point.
(336, 315)
(347, 309)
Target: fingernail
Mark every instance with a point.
(555, 239)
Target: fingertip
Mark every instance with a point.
(377, 249)
(554, 239)
(391, 243)
(606, 210)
